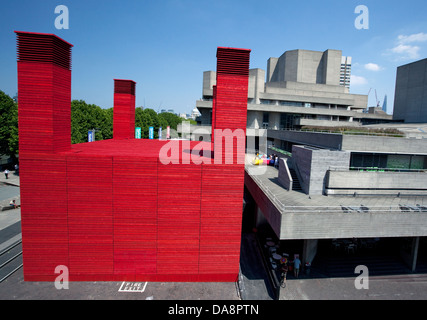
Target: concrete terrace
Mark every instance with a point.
(295, 215)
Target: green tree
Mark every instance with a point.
(171, 119)
(85, 117)
(9, 140)
(153, 121)
(142, 120)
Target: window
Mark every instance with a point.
(265, 119)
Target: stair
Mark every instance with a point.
(296, 185)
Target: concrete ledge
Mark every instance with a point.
(366, 192)
(5, 208)
(285, 177)
(391, 181)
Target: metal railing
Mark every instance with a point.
(375, 169)
(344, 132)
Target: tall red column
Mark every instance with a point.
(44, 89)
(220, 227)
(124, 109)
(44, 111)
(231, 100)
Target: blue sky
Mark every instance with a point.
(165, 45)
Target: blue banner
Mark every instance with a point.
(151, 133)
(91, 136)
(137, 133)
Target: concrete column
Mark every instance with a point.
(414, 253)
(410, 259)
(274, 121)
(309, 250)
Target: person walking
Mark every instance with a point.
(6, 173)
(297, 265)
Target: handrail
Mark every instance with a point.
(343, 132)
(375, 169)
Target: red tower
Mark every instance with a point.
(230, 104)
(44, 87)
(124, 109)
(112, 209)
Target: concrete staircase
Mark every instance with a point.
(296, 185)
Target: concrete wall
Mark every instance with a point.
(301, 162)
(323, 140)
(410, 102)
(349, 225)
(313, 164)
(332, 67)
(285, 178)
(256, 84)
(264, 204)
(384, 144)
(376, 180)
(327, 123)
(306, 66)
(209, 80)
(254, 119)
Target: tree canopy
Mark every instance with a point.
(8, 126)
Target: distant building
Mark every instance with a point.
(300, 88)
(410, 101)
(195, 113)
(385, 104)
(345, 73)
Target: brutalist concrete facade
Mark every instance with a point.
(410, 102)
(300, 88)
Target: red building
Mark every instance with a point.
(113, 210)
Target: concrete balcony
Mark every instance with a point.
(368, 182)
(295, 215)
(327, 123)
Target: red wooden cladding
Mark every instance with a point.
(124, 109)
(112, 210)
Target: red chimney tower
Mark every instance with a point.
(44, 90)
(124, 109)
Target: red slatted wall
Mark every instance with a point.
(44, 88)
(90, 216)
(135, 216)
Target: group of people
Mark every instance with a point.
(272, 159)
(295, 264)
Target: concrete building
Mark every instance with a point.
(345, 74)
(410, 102)
(350, 190)
(346, 193)
(300, 88)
